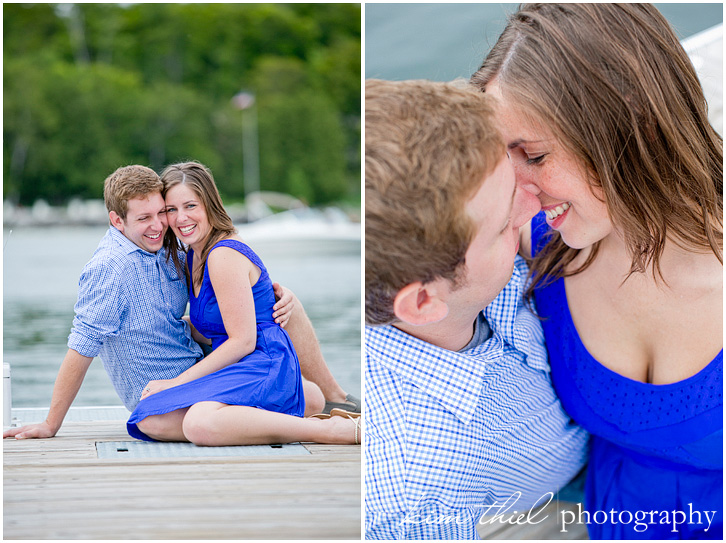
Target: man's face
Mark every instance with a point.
(498, 209)
(145, 222)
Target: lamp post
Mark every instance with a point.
(245, 101)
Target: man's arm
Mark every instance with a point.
(70, 376)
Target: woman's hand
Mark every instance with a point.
(157, 386)
(286, 302)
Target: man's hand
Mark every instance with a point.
(31, 431)
(286, 302)
(157, 386)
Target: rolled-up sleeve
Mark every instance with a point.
(99, 309)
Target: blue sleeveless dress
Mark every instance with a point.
(653, 448)
(268, 378)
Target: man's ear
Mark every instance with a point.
(116, 221)
(420, 304)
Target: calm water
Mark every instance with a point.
(445, 41)
(40, 280)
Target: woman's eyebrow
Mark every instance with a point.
(520, 141)
(515, 143)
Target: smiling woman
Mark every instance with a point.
(249, 389)
(546, 168)
(607, 125)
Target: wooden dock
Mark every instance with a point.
(60, 489)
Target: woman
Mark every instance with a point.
(606, 123)
(249, 389)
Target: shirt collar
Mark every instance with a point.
(456, 379)
(453, 379)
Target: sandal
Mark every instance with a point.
(335, 412)
(351, 404)
(358, 427)
(355, 417)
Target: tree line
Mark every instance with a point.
(90, 87)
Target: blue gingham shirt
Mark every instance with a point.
(449, 434)
(129, 309)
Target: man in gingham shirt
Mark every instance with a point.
(131, 300)
(462, 420)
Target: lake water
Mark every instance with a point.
(40, 281)
(445, 41)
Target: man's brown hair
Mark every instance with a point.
(126, 183)
(428, 148)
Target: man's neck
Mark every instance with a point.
(452, 333)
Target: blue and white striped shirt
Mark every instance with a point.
(449, 434)
(129, 309)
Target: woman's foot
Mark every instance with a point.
(344, 430)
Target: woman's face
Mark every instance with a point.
(546, 169)
(186, 215)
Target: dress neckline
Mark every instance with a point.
(560, 284)
(205, 275)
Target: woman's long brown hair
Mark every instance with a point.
(619, 92)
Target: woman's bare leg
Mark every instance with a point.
(216, 424)
(314, 399)
(166, 427)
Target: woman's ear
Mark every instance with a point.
(420, 304)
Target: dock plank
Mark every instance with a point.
(59, 489)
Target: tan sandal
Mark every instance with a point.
(343, 413)
(358, 427)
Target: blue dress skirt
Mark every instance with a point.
(268, 378)
(656, 456)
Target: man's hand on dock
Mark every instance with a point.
(41, 430)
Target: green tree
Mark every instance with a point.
(89, 87)
(299, 126)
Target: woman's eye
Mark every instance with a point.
(536, 160)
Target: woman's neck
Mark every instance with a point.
(676, 266)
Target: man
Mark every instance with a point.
(461, 415)
(130, 305)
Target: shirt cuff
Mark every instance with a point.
(83, 345)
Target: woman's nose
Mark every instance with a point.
(526, 206)
(524, 181)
